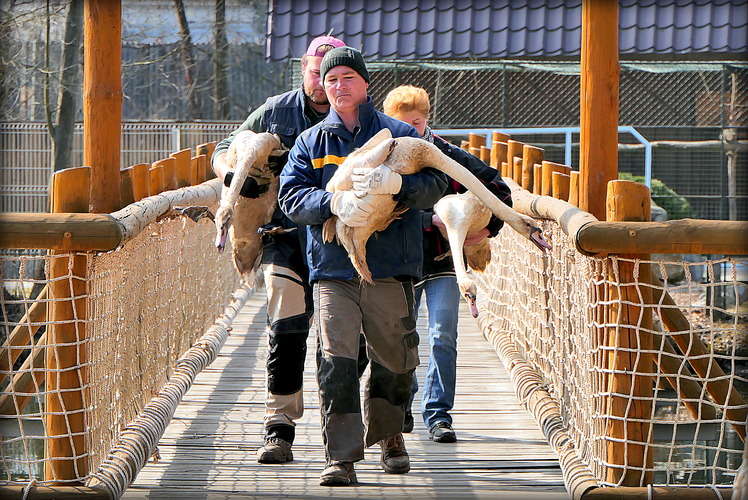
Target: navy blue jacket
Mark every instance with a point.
(286, 115)
(395, 252)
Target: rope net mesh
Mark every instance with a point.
(134, 312)
(647, 395)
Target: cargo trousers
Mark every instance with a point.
(384, 312)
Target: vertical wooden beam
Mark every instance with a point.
(497, 136)
(574, 188)
(530, 156)
(207, 150)
(629, 344)
(513, 150)
(599, 94)
(560, 189)
(476, 141)
(485, 154)
(156, 176)
(517, 169)
(199, 166)
(102, 101)
(183, 166)
(169, 166)
(65, 358)
(537, 178)
(498, 154)
(548, 167)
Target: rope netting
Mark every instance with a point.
(636, 370)
(119, 322)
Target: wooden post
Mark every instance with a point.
(537, 178)
(102, 101)
(505, 170)
(517, 170)
(465, 145)
(630, 389)
(485, 154)
(183, 169)
(574, 187)
(156, 175)
(599, 93)
(170, 172)
(497, 136)
(530, 156)
(548, 167)
(198, 168)
(66, 356)
(513, 149)
(560, 186)
(498, 154)
(475, 152)
(207, 150)
(476, 141)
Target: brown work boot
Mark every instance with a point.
(395, 459)
(338, 474)
(274, 451)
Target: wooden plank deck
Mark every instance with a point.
(208, 450)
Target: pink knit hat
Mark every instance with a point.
(323, 40)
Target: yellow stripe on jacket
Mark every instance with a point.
(327, 160)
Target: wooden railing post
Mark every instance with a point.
(530, 156)
(628, 341)
(102, 101)
(498, 154)
(66, 451)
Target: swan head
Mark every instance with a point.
(536, 236)
(469, 292)
(224, 217)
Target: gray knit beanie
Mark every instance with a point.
(344, 56)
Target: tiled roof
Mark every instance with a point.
(486, 29)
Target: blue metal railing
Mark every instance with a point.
(567, 131)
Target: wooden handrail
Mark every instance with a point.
(593, 237)
(98, 232)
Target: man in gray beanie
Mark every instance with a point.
(343, 306)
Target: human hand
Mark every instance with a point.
(352, 210)
(379, 180)
(250, 188)
(476, 237)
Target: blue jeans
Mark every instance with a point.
(443, 302)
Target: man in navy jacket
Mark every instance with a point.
(343, 305)
(284, 267)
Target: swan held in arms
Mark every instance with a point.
(408, 155)
(241, 218)
(464, 215)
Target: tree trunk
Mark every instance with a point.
(64, 128)
(220, 53)
(188, 61)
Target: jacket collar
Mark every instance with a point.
(334, 124)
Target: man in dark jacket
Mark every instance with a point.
(284, 266)
(343, 305)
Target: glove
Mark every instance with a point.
(379, 180)
(276, 163)
(250, 188)
(352, 210)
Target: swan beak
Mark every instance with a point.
(536, 236)
(471, 303)
(221, 239)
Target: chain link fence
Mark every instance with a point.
(694, 113)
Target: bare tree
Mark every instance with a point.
(221, 45)
(61, 128)
(188, 60)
